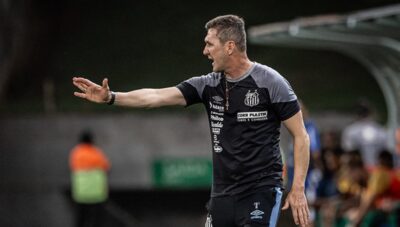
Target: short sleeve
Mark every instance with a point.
(193, 88)
(283, 98)
(286, 110)
(189, 92)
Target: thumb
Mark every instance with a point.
(286, 205)
(105, 83)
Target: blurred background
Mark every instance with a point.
(161, 168)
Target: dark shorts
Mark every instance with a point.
(258, 209)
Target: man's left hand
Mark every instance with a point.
(297, 200)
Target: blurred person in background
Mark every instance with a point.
(327, 189)
(246, 103)
(89, 167)
(330, 159)
(351, 181)
(365, 135)
(381, 197)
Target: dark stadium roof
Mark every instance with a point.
(372, 37)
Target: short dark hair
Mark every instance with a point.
(229, 27)
(363, 108)
(86, 137)
(386, 159)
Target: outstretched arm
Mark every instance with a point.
(141, 98)
(296, 198)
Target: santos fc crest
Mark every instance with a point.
(251, 98)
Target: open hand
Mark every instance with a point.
(297, 200)
(91, 91)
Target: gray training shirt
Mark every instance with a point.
(245, 116)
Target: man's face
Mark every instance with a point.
(215, 50)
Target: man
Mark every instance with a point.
(89, 167)
(246, 103)
(381, 197)
(365, 134)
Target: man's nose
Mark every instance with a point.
(205, 51)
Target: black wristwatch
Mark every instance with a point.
(112, 100)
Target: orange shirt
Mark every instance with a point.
(87, 157)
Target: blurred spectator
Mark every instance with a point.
(89, 168)
(352, 178)
(351, 181)
(381, 197)
(365, 134)
(331, 153)
(326, 188)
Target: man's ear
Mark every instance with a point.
(230, 47)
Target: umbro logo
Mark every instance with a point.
(217, 99)
(256, 214)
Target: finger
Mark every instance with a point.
(80, 95)
(286, 205)
(301, 217)
(105, 83)
(84, 81)
(295, 216)
(307, 212)
(306, 216)
(81, 86)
